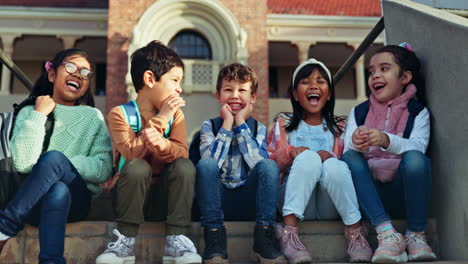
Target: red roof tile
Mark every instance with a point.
(325, 7)
(57, 3)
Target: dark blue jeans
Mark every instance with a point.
(408, 195)
(256, 199)
(51, 195)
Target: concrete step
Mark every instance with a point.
(86, 240)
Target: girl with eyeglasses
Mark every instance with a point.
(63, 163)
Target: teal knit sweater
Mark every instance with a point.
(80, 133)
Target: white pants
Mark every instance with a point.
(313, 190)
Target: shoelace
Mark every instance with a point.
(357, 239)
(117, 245)
(416, 237)
(389, 238)
(294, 240)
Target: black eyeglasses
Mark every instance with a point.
(71, 68)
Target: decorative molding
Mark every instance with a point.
(320, 28)
(69, 41)
(53, 21)
(165, 18)
(7, 41)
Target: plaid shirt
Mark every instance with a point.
(236, 152)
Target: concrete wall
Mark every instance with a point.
(440, 40)
(450, 4)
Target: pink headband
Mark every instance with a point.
(48, 66)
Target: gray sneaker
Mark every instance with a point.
(179, 249)
(121, 251)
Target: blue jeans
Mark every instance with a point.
(52, 194)
(257, 198)
(408, 195)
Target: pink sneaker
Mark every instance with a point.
(291, 246)
(417, 247)
(391, 248)
(358, 248)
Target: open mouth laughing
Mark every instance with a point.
(73, 86)
(378, 86)
(313, 98)
(236, 106)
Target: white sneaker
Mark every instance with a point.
(179, 249)
(118, 252)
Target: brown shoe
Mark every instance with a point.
(2, 244)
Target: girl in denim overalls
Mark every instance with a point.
(315, 183)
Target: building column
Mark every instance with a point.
(68, 41)
(359, 74)
(7, 40)
(303, 49)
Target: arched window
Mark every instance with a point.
(191, 45)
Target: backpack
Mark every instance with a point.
(10, 179)
(216, 124)
(133, 117)
(414, 108)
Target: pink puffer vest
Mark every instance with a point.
(390, 117)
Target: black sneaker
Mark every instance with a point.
(215, 246)
(266, 247)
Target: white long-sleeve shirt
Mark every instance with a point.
(418, 139)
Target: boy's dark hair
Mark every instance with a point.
(239, 73)
(44, 87)
(408, 61)
(328, 109)
(154, 57)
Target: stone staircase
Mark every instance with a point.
(85, 240)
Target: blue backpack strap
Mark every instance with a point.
(414, 108)
(216, 124)
(253, 126)
(132, 115)
(167, 132)
(360, 113)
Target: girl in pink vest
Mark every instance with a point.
(315, 185)
(385, 142)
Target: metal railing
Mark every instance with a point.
(365, 44)
(15, 70)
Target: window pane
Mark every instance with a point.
(191, 45)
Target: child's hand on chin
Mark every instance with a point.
(44, 104)
(244, 114)
(170, 106)
(226, 113)
(360, 138)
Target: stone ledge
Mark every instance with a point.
(85, 240)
